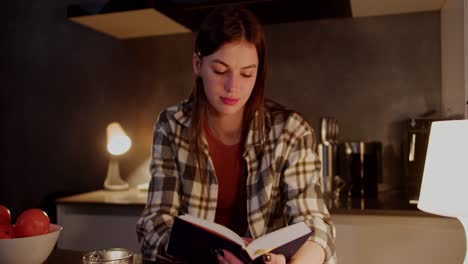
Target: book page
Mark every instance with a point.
(216, 228)
(277, 238)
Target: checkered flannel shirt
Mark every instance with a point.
(282, 181)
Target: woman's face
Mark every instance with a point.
(228, 76)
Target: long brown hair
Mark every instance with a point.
(224, 25)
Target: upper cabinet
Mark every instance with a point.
(124, 19)
(390, 7)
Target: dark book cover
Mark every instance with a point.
(194, 243)
(197, 245)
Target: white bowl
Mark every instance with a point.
(29, 250)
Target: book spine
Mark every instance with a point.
(245, 257)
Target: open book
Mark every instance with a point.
(194, 240)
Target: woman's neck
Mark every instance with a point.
(227, 128)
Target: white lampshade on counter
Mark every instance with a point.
(444, 188)
(117, 141)
(117, 144)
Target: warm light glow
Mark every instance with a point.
(444, 188)
(117, 141)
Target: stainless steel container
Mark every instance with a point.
(109, 256)
(360, 166)
(328, 156)
(327, 151)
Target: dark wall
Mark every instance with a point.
(62, 84)
(369, 73)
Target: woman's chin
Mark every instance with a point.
(229, 109)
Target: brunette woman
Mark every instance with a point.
(229, 156)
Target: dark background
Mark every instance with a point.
(63, 83)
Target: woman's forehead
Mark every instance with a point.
(238, 53)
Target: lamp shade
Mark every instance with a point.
(444, 188)
(117, 141)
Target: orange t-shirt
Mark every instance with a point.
(231, 210)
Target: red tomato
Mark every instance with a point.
(32, 222)
(5, 216)
(7, 231)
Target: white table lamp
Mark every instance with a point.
(117, 144)
(444, 188)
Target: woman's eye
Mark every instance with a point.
(246, 75)
(219, 70)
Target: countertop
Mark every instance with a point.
(132, 196)
(388, 203)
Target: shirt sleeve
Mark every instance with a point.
(304, 198)
(154, 226)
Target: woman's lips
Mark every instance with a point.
(229, 101)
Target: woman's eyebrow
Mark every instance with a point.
(225, 64)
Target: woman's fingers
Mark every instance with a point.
(227, 257)
(247, 240)
(274, 259)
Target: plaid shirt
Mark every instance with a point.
(282, 181)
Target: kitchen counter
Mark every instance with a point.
(389, 203)
(100, 219)
(385, 230)
(132, 196)
(60, 256)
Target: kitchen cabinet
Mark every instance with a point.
(125, 19)
(104, 219)
(100, 219)
(384, 239)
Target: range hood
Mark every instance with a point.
(124, 19)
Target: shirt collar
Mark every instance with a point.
(184, 115)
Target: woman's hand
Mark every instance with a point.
(274, 259)
(310, 253)
(247, 240)
(227, 257)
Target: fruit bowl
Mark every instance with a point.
(29, 250)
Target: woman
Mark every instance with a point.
(228, 156)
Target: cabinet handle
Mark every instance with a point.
(412, 146)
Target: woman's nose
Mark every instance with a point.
(232, 83)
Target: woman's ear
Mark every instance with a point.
(196, 63)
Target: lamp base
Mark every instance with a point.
(464, 222)
(113, 181)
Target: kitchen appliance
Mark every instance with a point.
(327, 151)
(360, 166)
(415, 147)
